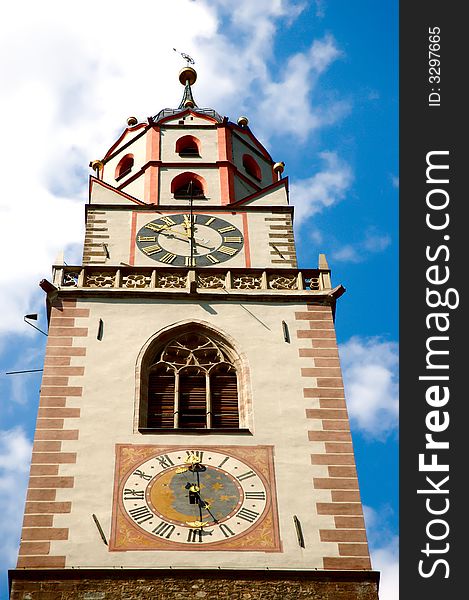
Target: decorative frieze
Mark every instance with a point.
(143, 278)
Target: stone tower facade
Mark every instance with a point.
(192, 434)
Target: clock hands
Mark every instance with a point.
(195, 466)
(186, 238)
(196, 498)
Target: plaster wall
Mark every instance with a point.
(241, 147)
(138, 149)
(120, 242)
(211, 176)
(107, 416)
(190, 119)
(208, 140)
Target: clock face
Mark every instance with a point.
(169, 240)
(194, 496)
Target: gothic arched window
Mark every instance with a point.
(124, 166)
(191, 382)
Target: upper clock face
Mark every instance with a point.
(194, 496)
(169, 240)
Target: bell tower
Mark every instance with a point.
(192, 434)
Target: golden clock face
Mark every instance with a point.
(194, 496)
(170, 239)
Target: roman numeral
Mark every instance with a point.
(146, 238)
(187, 261)
(247, 515)
(134, 494)
(168, 258)
(197, 453)
(164, 528)
(149, 250)
(223, 462)
(141, 514)
(211, 220)
(236, 239)
(254, 495)
(142, 475)
(195, 535)
(226, 530)
(164, 461)
(187, 219)
(225, 229)
(246, 475)
(168, 220)
(212, 259)
(155, 226)
(227, 250)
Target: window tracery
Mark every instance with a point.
(192, 384)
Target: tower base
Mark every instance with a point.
(136, 584)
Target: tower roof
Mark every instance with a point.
(187, 98)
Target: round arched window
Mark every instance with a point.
(188, 146)
(188, 184)
(124, 166)
(251, 167)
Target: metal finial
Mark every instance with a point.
(186, 57)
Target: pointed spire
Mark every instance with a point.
(187, 77)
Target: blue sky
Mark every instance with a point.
(319, 83)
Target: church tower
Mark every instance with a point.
(192, 435)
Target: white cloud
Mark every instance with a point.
(320, 8)
(370, 370)
(327, 187)
(15, 455)
(287, 101)
(376, 243)
(347, 253)
(355, 253)
(68, 83)
(384, 550)
(71, 75)
(386, 560)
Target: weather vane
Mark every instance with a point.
(186, 57)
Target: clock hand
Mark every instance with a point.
(196, 498)
(187, 224)
(186, 238)
(198, 243)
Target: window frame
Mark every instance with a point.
(124, 166)
(236, 360)
(252, 167)
(184, 179)
(185, 142)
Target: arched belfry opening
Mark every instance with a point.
(251, 167)
(188, 146)
(188, 184)
(124, 166)
(191, 378)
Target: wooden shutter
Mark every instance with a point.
(192, 399)
(224, 397)
(161, 398)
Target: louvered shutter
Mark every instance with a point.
(192, 399)
(161, 399)
(224, 397)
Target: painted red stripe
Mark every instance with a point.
(247, 249)
(133, 229)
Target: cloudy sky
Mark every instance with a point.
(318, 81)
